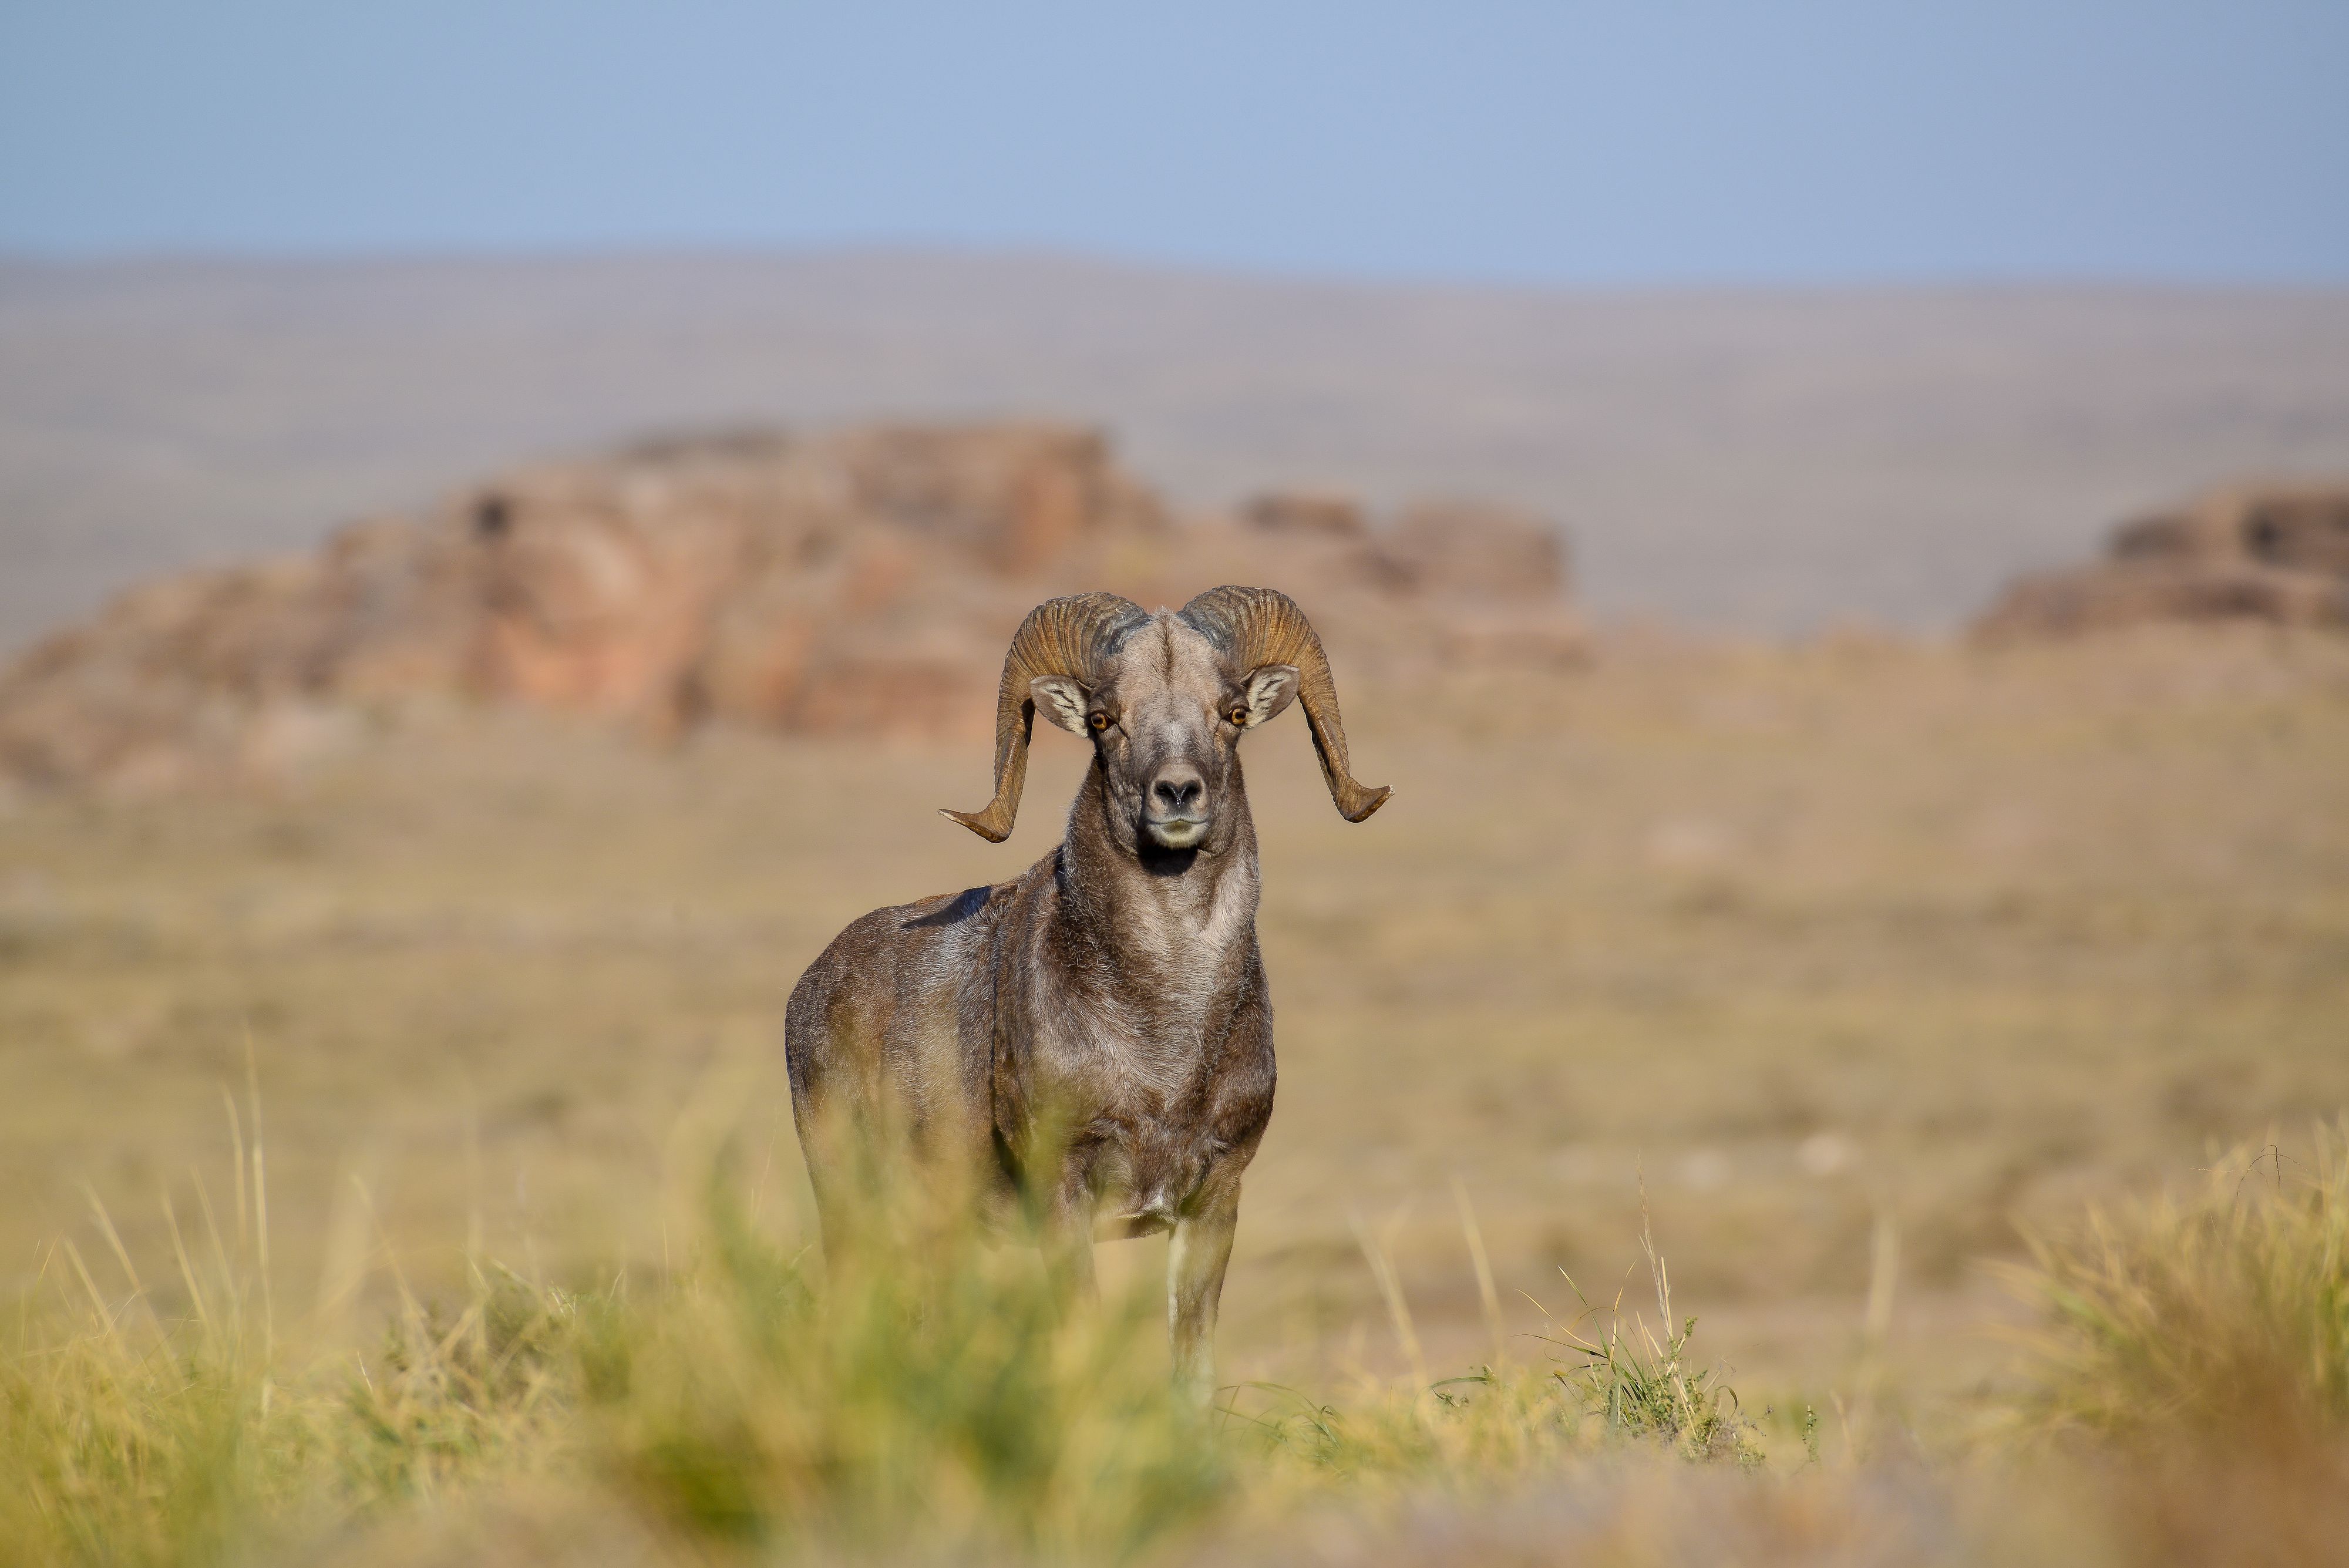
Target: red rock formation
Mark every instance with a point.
(2277, 553)
(862, 582)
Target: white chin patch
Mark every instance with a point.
(1176, 835)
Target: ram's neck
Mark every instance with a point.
(1156, 908)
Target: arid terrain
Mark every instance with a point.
(400, 889)
(1837, 945)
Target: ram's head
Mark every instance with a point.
(1164, 700)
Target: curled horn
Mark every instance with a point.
(1254, 627)
(1069, 636)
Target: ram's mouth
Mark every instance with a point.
(1176, 832)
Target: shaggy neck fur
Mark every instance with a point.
(1178, 921)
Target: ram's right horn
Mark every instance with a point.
(1071, 636)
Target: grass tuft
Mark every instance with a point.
(1644, 1384)
(2222, 1313)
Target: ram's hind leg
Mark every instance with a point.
(820, 1147)
(833, 1063)
(1067, 1238)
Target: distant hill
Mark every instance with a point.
(1756, 460)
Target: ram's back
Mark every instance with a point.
(894, 1018)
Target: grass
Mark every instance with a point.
(2223, 1312)
(180, 1426)
(935, 1394)
(932, 1392)
(1646, 1384)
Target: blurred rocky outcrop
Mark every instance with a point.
(865, 581)
(2272, 553)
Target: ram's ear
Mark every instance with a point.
(1061, 701)
(1270, 688)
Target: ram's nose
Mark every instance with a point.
(1179, 790)
(1175, 816)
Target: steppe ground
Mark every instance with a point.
(1856, 953)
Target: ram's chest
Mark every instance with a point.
(1132, 1028)
(1131, 1053)
(1127, 1011)
(1154, 1099)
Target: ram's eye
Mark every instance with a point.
(1100, 721)
(1238, 715)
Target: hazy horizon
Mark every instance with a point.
(1758, 458)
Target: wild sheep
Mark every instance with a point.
(1114, 989)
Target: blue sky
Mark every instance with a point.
(1649, 141)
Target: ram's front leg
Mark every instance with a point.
(1195, 1261)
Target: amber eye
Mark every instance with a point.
(1100, 721)
(1237, 716)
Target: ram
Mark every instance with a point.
(1096, 1031)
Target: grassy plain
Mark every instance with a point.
(1851, 955)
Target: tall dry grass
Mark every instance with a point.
(934, 1389)
(2222, 1312)
(185, 1424)
(2192, 1350)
